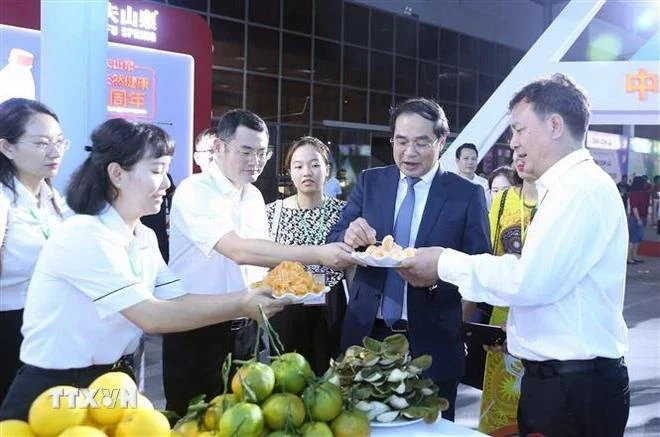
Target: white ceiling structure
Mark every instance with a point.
(551, 45)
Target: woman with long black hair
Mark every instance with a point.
(31, 150)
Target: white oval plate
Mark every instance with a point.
(372, 261)
(293, 298)
(395, 423)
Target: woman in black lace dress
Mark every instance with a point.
(305, 218)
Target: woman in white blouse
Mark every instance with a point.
(31, 151)
(100, 281)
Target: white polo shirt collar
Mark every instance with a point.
(222, 182)
(26, 199)
(111, 218)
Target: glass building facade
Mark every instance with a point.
(333, 69)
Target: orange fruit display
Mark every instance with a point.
(290, 277)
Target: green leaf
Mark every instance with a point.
(226, 371)
(352, 352)
(431, 415)
(364, 392)
(372, 345)
(369, 358)
(423, 362)
(397, 343)
(413, 412)
(421, 383)
(170, 414)
(249, 394)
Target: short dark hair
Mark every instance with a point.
(15, 114)
(231, 120)
(208, 132)
(425, 108)
(120, 141)
(557, 95)
(508, 172)
(638, 183)
(464, 146)
(317, 144)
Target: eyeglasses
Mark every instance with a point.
(45, 145)
(205, 153)
(419, 145)
(261, 155)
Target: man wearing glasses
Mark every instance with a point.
(203, 155)
(420, 205)
(218, 241)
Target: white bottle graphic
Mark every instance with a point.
(16, 78)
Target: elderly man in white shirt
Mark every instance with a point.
(566, 290)
(219, 241)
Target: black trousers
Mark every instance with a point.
(31, 381)
(574, 398)
(10, 345)
(313, 331)
(447, 388)
(192, 360)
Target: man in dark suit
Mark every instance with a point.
(420, 205)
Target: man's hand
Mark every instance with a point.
(359, 233)
(264, 297)
(421, 270)
(337, 256)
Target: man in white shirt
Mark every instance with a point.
(218, 235)
(203, 155)
(566, 290)
(466, 162)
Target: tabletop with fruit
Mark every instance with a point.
(375, 389)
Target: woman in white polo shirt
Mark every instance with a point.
(31, 150)
(101, 282)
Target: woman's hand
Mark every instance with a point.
(264, 297)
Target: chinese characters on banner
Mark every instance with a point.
(131, 89)
(642, 83)
(132, 23)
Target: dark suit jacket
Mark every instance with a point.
(455, 216)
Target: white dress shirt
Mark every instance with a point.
(24, 227)
(566, 290)
(421, 194)
(206, 207)
(90, 270)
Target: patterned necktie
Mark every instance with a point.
(394, 284)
